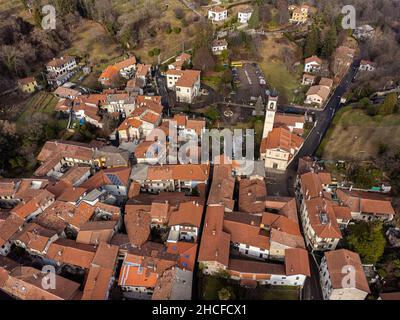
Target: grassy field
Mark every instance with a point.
(170, 43)
(357, 136)
(41, 102)
(12, 8)
(275, 70)
(92, 40)
(211, 285)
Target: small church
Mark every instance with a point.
(281, 139)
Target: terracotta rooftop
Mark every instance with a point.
(188, 214)
(366, 202)
(252, 195)
(312, 184)
(337, 260)
(319, 90)
(322, 218)
(246, 229)
(9, 227)
(100, 273)
(283, 139)
(25, 283)
(215, 242)
(113, 176)
(137, 225)
(217, 9)
(222, 187)
(34, 237)
(188, 78)
(313, 59)
(125, 63)
(296, 262)
(26, 81)
(187, 254)
(59, 62)
(95, 232)
(69, 252)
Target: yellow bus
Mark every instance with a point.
(236, 64)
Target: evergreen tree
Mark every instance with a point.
(389, 105)
(368, 240)
(330, 43)
(312, 43)
(254, 21)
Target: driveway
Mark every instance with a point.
(249, 86)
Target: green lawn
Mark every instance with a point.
(212, 81)
(41, 102)
(281, 79)
(211, 285)
(354, 135)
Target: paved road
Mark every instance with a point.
(312, 290)
(284, 182)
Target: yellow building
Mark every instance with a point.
(27, 85)
(299, 13)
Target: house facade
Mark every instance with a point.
(217, 14)
(312, 64)
(335, 269)
(185, 83)
(244, 15)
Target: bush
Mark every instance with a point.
(184, 23)
(177, 30)
(179, 13)
(168, 30)
(156, 51)
(151, 53)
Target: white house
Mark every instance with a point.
(218, 46)
(120, 102)
(320, 226)
(61, 65)
(186, 84)
(366, 65)
(185, 222)
(317, 95)
(312, 64)
(127, 67)
(217, 14)
(244, 15)
(336, 270)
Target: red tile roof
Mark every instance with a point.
(283, 139)
(215, 242)
(339, 259)
(188, 214)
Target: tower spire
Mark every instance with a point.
(272, 107)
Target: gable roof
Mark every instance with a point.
(215, 242)
(337, 260)
(313, 59)
(189, 214)
(322, 218)
(66, 251)
(252, 195)
(283, 139)
(319, 90)
(296, 262)
(125, 63)
(366, 202)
